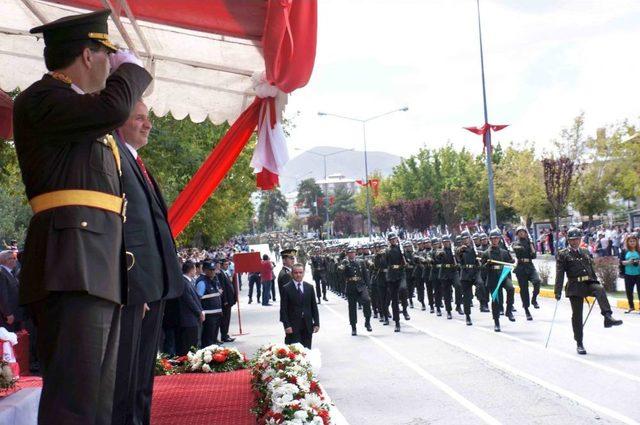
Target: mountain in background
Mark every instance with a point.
(349, 163)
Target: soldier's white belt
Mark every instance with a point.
(396, 266)
(469, 266)
(204, 297)
(354, 279)
(524, 260)
(214, 311)
(448, 266)
(79, 198)
(581, 278)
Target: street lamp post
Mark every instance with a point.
(366, 164)
(326, 183)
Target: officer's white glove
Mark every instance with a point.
(123, 56)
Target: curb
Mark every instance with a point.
(615, 302)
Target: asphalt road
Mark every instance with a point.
(442, 371)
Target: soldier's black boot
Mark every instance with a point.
(353, 330)
(367, 326)
(449, 317)
(406, 315)
(496, 326)
(319, 300)
(534, 303)
(410, 302)
(528, 314)
(609, 321)
(375, 314)
(484, 308)
(397, 329)
(469, 320)
(424, 307)
(325, 297)
(386, 321)
(459, 310)
(431, 310)
(510, 316)
(439, 313)
(580, 349)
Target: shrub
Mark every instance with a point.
(606, 269)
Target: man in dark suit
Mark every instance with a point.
(153, 272)
(10, 311)
(228, 300)
(299, 309)
(73, 273)
(190, 309)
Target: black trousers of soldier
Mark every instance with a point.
(375, 303)
(529, 274)
(577, 304)
(482, 293)
(420, 290)
(507, 286)
(393, 294)
(354, 297)
(458, 292)
(467, 295)
(437, 293)
(430, 288)
(446, 292)
(383, 298)
(321, 286)
(403, 294)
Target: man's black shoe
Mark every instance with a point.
(610, 321)
(406, 315)
(459, 310)
(424, 307)
(580, 349)
(496, 326)
(535, 304)
(510, 316)
(250, 301)
(367, 326)
(469, 320)
(528, 314)
(397, 329)
(375, 314)
(228, 339)
(325, 298)
(410, 303)
(431, 310)
(449, 315)
(319, 301)
(438, 313)
(484, 309)
(353, 331)
(386, 321)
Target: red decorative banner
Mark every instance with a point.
(482, 131)
(373, 183)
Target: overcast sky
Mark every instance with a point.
(545, 61)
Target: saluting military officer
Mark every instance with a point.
(74, 269)
(525, 270)
(469, 270)
(491, 261)
(356, 276)
(582, 282)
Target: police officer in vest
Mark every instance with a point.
(356, 275)
(525, 270)
(582, 282)
(74, 269)
(210, 291)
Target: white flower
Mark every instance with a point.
(301, 414)
(207, 358)
(206, 368)
(310, 400)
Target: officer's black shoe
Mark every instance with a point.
(484, 309)
(513, 310)
(411, 303)
(535, 304)
(469, 320)
(228, 339)
(449, 317)
(375, 314)
(459, 310)
(439, 313)
(631, 310)
(529, 316)
(397, 329)
(325, 298)
(250, 301)
(510, 316)
(353, 331)
(610, 321)
(406, 315)
(386, 321)
(319, 302)
(496, 327)
(431, 310)
(367, 326)
(580, 349)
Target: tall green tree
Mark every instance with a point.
(343, 201)
(273, 206)
(309, 192)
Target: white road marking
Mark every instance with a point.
(484, 416)
(548, 385)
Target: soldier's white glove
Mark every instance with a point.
(123, 56)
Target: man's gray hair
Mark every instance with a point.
(6, 255)
(300, 265)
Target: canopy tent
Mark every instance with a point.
(206, 58)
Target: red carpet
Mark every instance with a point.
(196, 398)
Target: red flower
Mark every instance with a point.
(182, 359)
(293, 380)
(324, 414)
(292, 355)
(295, 406)
(282, 353)
(315, 388)
(219, 357)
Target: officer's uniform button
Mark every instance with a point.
(83, 224)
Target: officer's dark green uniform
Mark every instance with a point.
(448, 269)
(369, 259)
(481, 242)
(74, 270)
(410, 265)
(469, 270)
(494, 270)
(380, 264)
(525, 270)
(319, 274)
(356, 276)
(434, 276)
(582, 282)
(418, 272)
(395, 276)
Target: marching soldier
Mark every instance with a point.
(380, 264)
(356, 276)
(481, 289)
(456, 282)
(368, 259)
(395, 275)
(582, 282)
(73, 276)
(525, 270)
(491, 259)
(427, 261)
(411, 262)
(319, 273)
(418, 272)
(447, 271)
(469, 270)
(434, 277)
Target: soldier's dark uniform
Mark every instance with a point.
(469, 271)
(411, 263)
(380, 265)
(525, 270)
(582, 282)
(319, 274)
(481, 289)
(395, 275)
(369, 259)
(494, 271)
(74, 268)
(434, 275)
(356, 276)
(418, 273)
(447, 271)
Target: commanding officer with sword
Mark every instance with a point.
(74, 267)
(582, 282)
(356, 276)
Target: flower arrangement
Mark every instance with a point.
(209, 359)
(7, 380)
(286, 388)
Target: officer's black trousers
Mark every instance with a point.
(383, 297)
(467, 295)
(210, 329)
(393, 292)
(254, 280)
(593, 290)
(482, 293)
(446, 289)
(430, 286)
(437, 293)
(78, 338)
(403, 294)
(525, 275)
(375, 302)
(321, 286)
(354, 297)
(507, 286)
(458, 292)
(188, 339)
(420, 289)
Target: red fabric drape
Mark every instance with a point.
(215, 167)
(6, 114)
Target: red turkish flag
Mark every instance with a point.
(375, 184)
